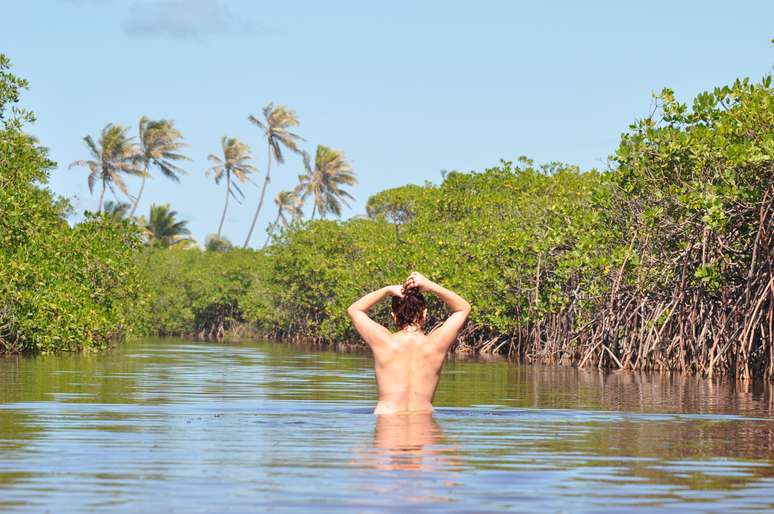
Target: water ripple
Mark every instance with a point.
(171, 425)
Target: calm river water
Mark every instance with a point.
(176, 426)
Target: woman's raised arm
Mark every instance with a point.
(371, 331)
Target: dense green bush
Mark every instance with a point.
(662, 262)
(695, 195)
(199, 293)
(61, 287)
(507, 239)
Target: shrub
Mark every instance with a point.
(201, 293)
(61, 287)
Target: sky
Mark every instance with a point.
(404, 88)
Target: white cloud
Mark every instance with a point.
(185, 19)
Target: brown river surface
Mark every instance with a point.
(170, 425)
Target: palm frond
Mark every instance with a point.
(92, 147)
(81, 163)
(235, 186)
(92, 180)
(119, 183)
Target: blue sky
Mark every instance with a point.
(405, 89)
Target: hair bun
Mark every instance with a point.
(410, 307)
(406, 291)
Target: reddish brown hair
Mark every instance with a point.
(408, 309)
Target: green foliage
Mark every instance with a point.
(399, 205)
(112, 155)
(163, 229)
(691, 182)
(507, 238)
(117, 210)
(11, 87)
(202, 293)
(61, 287)
(662, 262)
(214, 243)
(325, 182)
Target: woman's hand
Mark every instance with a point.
(394, 290)
(417, 279)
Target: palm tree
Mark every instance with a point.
(277, 120)
(287, 202)
(117, 210)
(331, 173)
(115, 153)
(235, 162)
(163, 230)
(160, 142)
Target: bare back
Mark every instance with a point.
(408, 362)
(408, 366)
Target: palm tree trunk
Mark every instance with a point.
(260, 202)
(101, 197)
(228, 193)
(314, 210)
(268, 237)
(139, 193)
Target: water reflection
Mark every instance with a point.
(409, 461)
(174, 425)
(411, 442)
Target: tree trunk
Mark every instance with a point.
(260, 202)
(139, 193)
(268, 237)
(228, 193)
(314, 211)
(101, 197)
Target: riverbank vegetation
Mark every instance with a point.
(61, 286)
(662, 261)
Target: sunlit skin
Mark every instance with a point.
(408, 362)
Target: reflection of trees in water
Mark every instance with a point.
(17, 430)
(77, 378)
(104, 378)
(309, 373)
(505, 383)
(109, 377)
(409, 455)
(295, 372)
(692, 453)
(646, 450)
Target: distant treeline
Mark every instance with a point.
(66, 287)
(665, 261)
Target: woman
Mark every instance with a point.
(408, 362)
